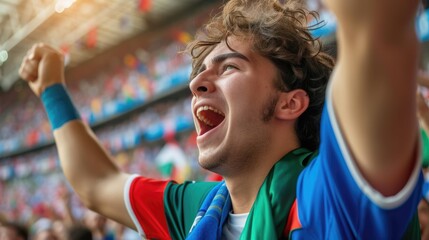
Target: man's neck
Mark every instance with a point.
(243, 194)
(244, 187)
(244, 184)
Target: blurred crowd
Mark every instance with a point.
(37, 201)
(35, 195)
(24, 124)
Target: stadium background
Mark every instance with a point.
(127, 81)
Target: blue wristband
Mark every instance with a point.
(58, 105)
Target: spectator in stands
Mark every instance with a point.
(79, 232)
(423, 211)
(423, 115)
(43, 229)
(125, 233)
(258, 86)
(98, 225)
(13, 231)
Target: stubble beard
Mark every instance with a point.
(219, 164)
(213, 163)
(269, 108)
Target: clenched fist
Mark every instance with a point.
(41, 67)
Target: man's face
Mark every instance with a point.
(46, 235)
(233, 104)
(94, 221)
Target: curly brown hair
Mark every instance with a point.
(279, 32)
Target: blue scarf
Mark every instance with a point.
(269, 213)
(212, 214)
(268, 216)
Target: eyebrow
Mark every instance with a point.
(222, 57)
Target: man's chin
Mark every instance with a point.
(210, 164)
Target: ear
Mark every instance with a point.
(292, 104)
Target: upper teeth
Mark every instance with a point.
(202, 118)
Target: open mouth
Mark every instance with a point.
(208, 118)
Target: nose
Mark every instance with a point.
(202, 83)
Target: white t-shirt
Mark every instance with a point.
(234, 226)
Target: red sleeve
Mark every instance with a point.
(144, 198)
(292, 220)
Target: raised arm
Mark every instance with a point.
(373, 88)
(87, 166)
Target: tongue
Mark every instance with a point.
(213, 117)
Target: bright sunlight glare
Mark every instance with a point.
(61, 5)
